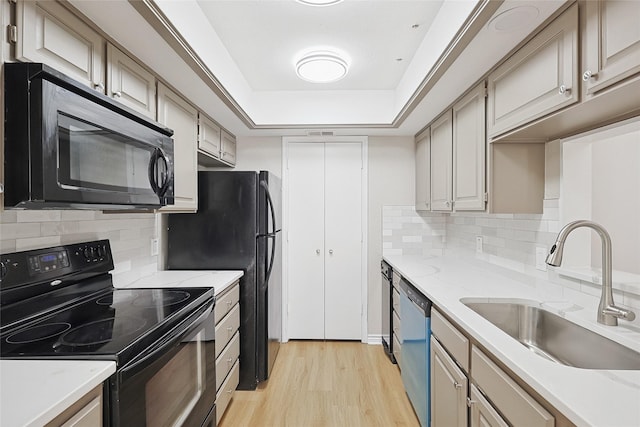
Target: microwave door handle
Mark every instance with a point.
(153, 170)
(166, 174)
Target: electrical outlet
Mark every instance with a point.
(541, 256)
(478, 244)
(154, 247)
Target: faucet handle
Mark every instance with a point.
(619, 313)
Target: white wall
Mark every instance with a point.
(391, 182)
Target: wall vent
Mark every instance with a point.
(320, 133)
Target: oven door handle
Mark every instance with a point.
(170, 340)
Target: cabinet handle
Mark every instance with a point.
(588, 75)
(470, 402)
(330, 251)
(563, 90)
(99, 87)
(229, 303)
(318, 251)
(447, 203)
(457, 385)
(230, 360)
(117, 94)
(1, 188)
(229, 329)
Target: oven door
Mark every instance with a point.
(173, 383)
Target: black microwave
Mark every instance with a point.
(68, 146)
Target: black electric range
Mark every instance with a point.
(60, 303)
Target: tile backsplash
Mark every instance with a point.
(130, 234)
(508, 240)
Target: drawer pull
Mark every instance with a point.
(229, 303)
(229, 329)
(457, 385)
(229, 391)
(230, 360)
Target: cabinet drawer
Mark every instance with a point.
(456, 343)
(510, 399)
(227, 359)
(397, 325)
(397, 350)
(226, 391)
(226, 329)
(226, 301)
(396, 280)
(396, 301)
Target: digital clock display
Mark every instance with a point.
(48, 258)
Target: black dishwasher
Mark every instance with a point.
(387, 309)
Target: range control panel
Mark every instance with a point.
(49, 264)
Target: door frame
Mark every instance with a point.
(286, 140)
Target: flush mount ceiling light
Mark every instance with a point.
(319, 2)
(321, 67)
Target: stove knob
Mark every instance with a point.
(99, 251)
(86, 253)
(3, 270)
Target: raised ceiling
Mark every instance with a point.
(247, 49)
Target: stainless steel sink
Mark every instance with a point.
(555, 338)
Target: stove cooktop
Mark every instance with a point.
(115, 324)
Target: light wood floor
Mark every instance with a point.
(325, 383)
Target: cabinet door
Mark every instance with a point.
(469, 151)
(538, 79)
(129, 83)
(441, 163)
(208, 137)
(612, 43)
(228, 148)
(306, 240)
(343, 240)
(175, 113)
(448, 390)
(423, 173)
(482, 413)
(49, 33)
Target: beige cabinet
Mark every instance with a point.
(228, 148)
(442, 163)
(86, 412)
(177, 114)
(481, 413)
(469, 143)
(511, 400)
(397, 321)
(611, 43)
(209, 136)
(448, 389)
(227, 336)
(130, 83)
(423, 172)
(538, 79)
(48, 32)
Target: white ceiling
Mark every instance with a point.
(249, 47)
(264, 37)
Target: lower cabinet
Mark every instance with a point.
(448, 389)
(86, 412)
(395, 333)
(468, 388)
(227, 317)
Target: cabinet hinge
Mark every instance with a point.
(13, 33)
(486, 197)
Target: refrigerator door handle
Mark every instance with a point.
(273, 256)
(264, 185)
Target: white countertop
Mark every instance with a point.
(34, 392)
(587, 397)
(219, 280)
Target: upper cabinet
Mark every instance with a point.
(469, 142)
(423, 172)
(208, 137)
(442, 163)
(130, 83)
(47, 32)
(612, 43)
(538, 79)
(177, 114)
(228, 148)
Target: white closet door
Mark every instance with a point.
(343, 241)
(306, 241)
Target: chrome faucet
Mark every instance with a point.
(608, 312)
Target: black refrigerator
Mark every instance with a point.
(237, 227)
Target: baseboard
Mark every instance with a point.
(374, 339)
